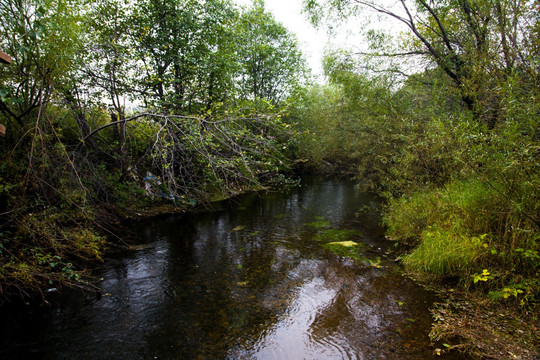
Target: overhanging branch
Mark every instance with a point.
(408, 53)
(135, 117)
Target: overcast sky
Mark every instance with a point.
(313, 42)
(289, 13)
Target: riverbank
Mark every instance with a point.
(481, 254)
(468, 322)
(251, 279)
(48, 248)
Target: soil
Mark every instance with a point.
(471, 323)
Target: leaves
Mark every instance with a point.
(100, 93)
(344, 243)
(271, 63)
(484, 276)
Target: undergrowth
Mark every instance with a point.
(46, 249)
(457, 233)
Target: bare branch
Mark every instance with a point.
(443, 34)
(390, 55)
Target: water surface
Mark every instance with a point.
(248, 280)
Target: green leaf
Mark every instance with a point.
(344, 243)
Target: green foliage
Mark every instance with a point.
(453, 149)
(271, 64)
(99, 94)
(187, 50)
(42, 39)
(472, 42)
(463, 228)
(345, 125)
(484, 276)
(445, 253)
(524, 292)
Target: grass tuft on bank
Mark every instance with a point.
(469, 233)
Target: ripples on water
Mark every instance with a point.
(246, 281)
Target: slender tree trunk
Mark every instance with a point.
(178, 86)
(80, 116)
(119, 134)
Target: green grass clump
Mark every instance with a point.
(467, 204)
(467, 229)
(445, 253)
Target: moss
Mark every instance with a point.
(335, 235)
(355, 251)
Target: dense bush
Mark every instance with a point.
(465, 196)
(100, 96)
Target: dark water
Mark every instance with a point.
(249, 280)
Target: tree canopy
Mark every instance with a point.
(103, 95)
(477, 43)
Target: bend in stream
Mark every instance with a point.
(249, 280)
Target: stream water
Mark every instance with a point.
(248, 280)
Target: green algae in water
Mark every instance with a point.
(338, 240)
(335, 235)
(322, 224)
(344, 243)
(354, 251)
(345, 248)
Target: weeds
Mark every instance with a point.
(445, 253)
(463, 230)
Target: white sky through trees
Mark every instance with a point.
(311, 41)
(345, 35)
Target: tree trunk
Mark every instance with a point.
(80, 117)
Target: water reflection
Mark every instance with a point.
(247, 281)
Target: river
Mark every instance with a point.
(248, 279)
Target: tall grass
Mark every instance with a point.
(471, 231)
(447, 252)
(465, 204)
